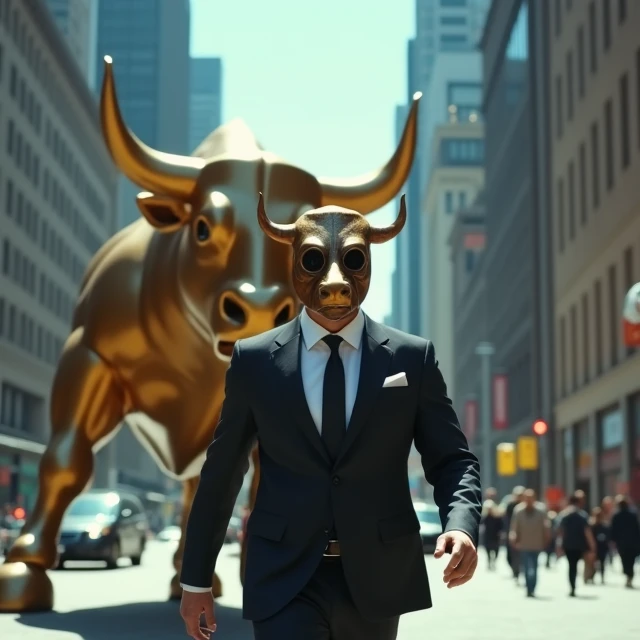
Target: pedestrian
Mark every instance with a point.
(602, 535)
(530, 534)
(513, 557)
(575, 539)
(493, 526)
(625, 534)
(552, 516)
(333, 400)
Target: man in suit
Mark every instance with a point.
(335, 401)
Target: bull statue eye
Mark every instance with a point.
(312, 260)
(202, 231)
(354, 259)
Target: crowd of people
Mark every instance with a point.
(527, 529)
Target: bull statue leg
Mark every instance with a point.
(87, 405)
(188, 493)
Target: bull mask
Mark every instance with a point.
(331, 255)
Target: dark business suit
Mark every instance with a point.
(364, 494)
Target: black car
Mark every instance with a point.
(103, 525)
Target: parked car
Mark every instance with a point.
(9, 531)
(103, 525)
(430, 525)
(169, 534)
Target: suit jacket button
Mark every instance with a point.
(336, 480)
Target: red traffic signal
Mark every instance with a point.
(540, 427)
(19, 513)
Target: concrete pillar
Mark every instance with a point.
(627, 445)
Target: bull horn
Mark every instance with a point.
(155, 171)
(279, 232)
(371, 191)
(378, 235)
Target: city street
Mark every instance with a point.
(129, 603)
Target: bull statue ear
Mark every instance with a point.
(165, 213)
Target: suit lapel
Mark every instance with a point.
(286, 355)
(376, 358)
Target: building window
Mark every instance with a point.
(569, 85)
(462, 200)
(606, 24)
(464, 101)
(462, 152)
(622, 11)
(453, 3)
(586, 339)
(574, 347)
(624, 121)
(581, 73)
(597, 303)
(558, 17)
(560, 215)
(582, 168)
(448, 202)
(571, 188)
(453, 42)
(595, 165)
(593, 38)
(450, 21)
(638, 92)
(614, 314)
(469, 260)
(608, 123)
(559, 106)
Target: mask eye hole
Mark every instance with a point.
(354, 259)
(312, 260)
(202, 230)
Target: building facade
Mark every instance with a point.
(205, 100)
(78, 21)
(149, 43)
(595, 106)
(457, 176)
(57, 203)
(516, 262)
(467, 243)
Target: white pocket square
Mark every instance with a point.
(396, 380)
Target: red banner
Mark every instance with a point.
(500, 420)
(471, 419)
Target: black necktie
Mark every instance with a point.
(334, 419)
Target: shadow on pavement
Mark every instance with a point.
(157, 620)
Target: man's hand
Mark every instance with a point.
(193, 605)
(464, 557)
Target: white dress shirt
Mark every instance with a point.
(313, 361)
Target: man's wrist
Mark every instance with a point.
(192, 589)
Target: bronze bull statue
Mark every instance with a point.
(160, 306)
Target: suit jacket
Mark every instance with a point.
(301, 493)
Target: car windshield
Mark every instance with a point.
(103, 505)
(428, 515)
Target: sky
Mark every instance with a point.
(318, 83)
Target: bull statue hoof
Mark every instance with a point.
(24, 587)
(176, 589)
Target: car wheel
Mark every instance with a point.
(114, 554)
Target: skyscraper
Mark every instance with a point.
(205, 100)
(77, 20)
(149, 43)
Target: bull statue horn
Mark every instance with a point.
(161, 173)
(378, 235)
(284, 233)
(371, 191)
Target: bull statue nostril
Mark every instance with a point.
(234, 312)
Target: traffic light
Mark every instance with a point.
(540, 427)
(19, 513)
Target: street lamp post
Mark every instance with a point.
(485, 350)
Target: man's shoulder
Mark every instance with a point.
(399, 338)
(263, 341)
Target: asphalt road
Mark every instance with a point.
(130, 604)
